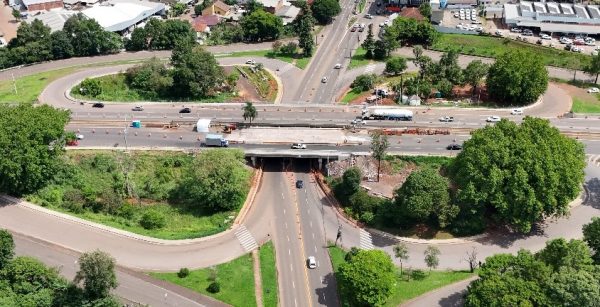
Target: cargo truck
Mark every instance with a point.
(215, 140)
(388, 113)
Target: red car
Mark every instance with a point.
(72, 143)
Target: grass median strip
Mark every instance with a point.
(405, 290)
(235, 280)
(268, 272)
(298, 60)
(585, 106)
(488, 46)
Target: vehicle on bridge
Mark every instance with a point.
(215, 140)
(447, 119)
(298, 146)
(388, 114)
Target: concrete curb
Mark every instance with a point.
(254, 185)
(131, 235)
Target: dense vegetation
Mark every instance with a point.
(507, 174)
(167, 195)
(25, 281)
(160, 35)
(561, 274)
(195, 74)
(79, 37)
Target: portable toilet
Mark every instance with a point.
(136, 124)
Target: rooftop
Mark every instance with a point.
(118, 15)
(55, 19)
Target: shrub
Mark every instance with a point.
(183, 273)
(126, 211)
(418, 275)
(51, 195)
(152, 219)
(214, 287)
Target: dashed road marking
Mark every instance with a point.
(246, 239)
(366, 241)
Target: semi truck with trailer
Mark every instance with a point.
(387, 114)
(215, 140)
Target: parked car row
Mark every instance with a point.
(466, 14)
(469, 27)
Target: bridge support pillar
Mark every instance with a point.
(253, 161)
(320, 163)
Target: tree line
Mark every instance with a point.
(80, 36)
(509, 174)
(25, 281)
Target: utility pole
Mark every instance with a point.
(339, 234)
(14, 83)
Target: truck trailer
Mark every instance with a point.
(215, 140)
(388, 114)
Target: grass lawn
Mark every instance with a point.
(585, 106)
(115, 89)
(361, 6)
(358, 58)
(406, 290)
(88, 191)
(488, 46)
(351, 95)
(236, 279)
(268, 271)
(30, 87)
(298, 60)
(262, 81)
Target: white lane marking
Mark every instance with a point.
(313, 235)
(283, 211)
(285, 225)
(288, 237)
(289, 252)
(291, 268)
(366, 241)
(308, 211)
(246, 239)
(315, 248)
(310, 224)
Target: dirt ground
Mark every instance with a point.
(389, 179)
(8, 24)
(246, 91)
(576, 92)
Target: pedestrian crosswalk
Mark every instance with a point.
(593, 160)
(246, 239)
(370, 68)
(366, 241)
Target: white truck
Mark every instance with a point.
(388, 114)
(215, 140)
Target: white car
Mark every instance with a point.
(498, 33)
(545, 36)
(590, 43)
(298, 146)
(593, 90)
(369, 16)
(456, 15)
(311, 262)
(446, 119)
(517, 112)
(251, 62)
(324, 80)
(79, 136)
(337, 66)
(493, 119)
(459, 26)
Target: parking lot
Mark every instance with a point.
(463, 19)
(549, 41)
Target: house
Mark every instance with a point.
(411, 12)
(271, 6)
(40, 5)
(288, 13)
(202, 24)
(217, 8)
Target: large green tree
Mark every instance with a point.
(395, 65)
(260, 26)
(61, 45)
(379, 147)
(325, 10)
(304, 27)
(97, 272)
(7, 247)
(151, 77)
(573, 254)
(196, 72)
(89, 38)
(517, 78)
(593, 68)
(412, 31)
(31, 144)
(591, 236)
(519, 174)
(425, 195)
(217, 181)
(368, 278)
(474, 73)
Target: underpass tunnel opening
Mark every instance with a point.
(288, 164)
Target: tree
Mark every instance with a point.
(417, 51)
(445, 87)
(27, 33)
(196, 72)
(364, 82)
(558, 253)
(97, 272)
(7, 248)
(31, 142)
(90, 87)
(89, 38)
(474, 73)
(449, 68)
(533, 173)
(368, 278)
(260, 26)
(424, 195)
(16, 14)
(425, 10)
(412, 31)
(253, 6)
(573, 288)
(517, 77)
(593, 68)
(395, 65)
(138, 40)
(289, 49)
(249, 112)
(471, 258)
(216, 181)
(379, 147)
(305, 23)
(152, 78)
(61, 45)
(591, 236)
(177, 9)
(325, 10)
(432, 259)
(277, 46)
(401, 252)
(369, 43)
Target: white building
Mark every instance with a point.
(122, 15)
(554, 17)
(55, 19)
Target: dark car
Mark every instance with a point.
(454, 147)
(98, 105)
(185, 110)
(299, 184)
